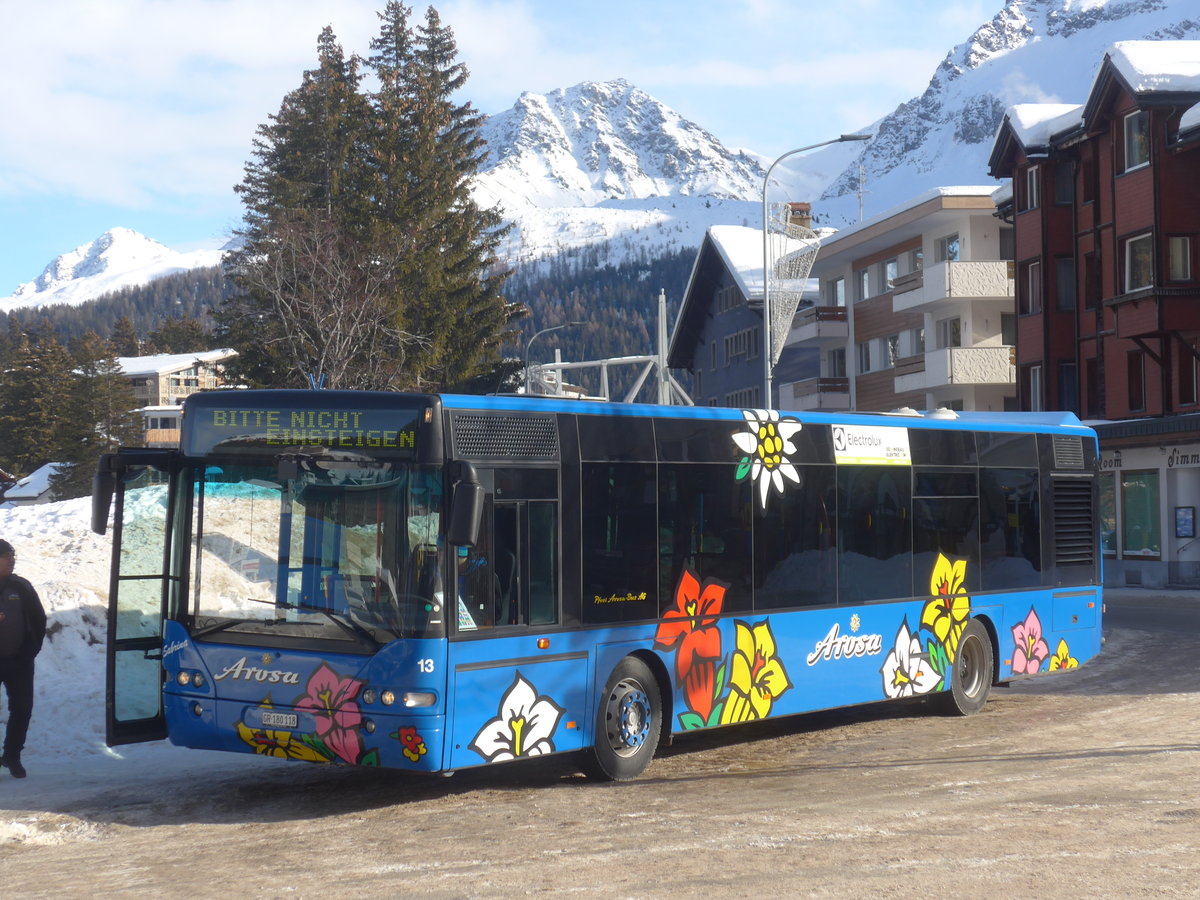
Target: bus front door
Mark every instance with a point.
(140, 583)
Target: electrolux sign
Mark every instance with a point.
(870, 445)
(386, 432)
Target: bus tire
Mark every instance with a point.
(971, 677)
(628, 723)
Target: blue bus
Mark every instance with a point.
(434, 582)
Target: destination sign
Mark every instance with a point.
(387, 432)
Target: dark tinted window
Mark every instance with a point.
(1014, 451)
(795, 554)
(874, 533)
(941, 448)
(1010, 529)
(616, 438)
(620, 572)
(704, 526)
(945, 527)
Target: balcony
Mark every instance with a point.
(952, 283)
(819, 326)
(815, 393)
(962, 366)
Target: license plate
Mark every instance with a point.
(280, 720)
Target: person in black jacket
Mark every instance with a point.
(22, 630)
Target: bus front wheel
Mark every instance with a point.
(628, 721)
(971, 677)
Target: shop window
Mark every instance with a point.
(1140, 532)
(1108, 513)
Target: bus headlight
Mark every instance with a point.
(184, 679)
(388, 698)
(368, 696)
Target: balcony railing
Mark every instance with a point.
(955, 281)
(817, 393)
(819, 325)
(960, 366)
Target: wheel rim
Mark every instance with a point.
(971, 672)
(629, 717)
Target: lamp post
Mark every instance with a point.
(766, 345)
(535, 337)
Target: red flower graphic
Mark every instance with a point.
(691, 629)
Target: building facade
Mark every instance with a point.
(915, 309)
(161, 382)
(1105, 207)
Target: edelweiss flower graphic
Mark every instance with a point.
(525, 725)
(767, 443)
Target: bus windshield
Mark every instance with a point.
(321, 546)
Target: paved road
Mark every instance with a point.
(1083, 784)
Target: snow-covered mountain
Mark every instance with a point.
(607, 163)
(119, 258)
(1032, 51)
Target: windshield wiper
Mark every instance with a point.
(346, 623)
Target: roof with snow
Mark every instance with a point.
(163, 363)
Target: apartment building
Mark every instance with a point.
(915, 309)
(1106, 214)
(160, 383)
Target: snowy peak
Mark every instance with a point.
(606, 141)
(117, 259)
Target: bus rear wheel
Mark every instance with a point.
(971, 677)
(628, 722)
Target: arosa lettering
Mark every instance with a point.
(836, 645)
(253, 673)
(382, 430)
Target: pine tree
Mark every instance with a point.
(125, 338)
(35, 407)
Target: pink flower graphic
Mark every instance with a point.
(1031, 649)
(332, 700)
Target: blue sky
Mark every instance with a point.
(140, 113)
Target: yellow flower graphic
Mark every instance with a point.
(947, 613)
(283, 744)
(757, 677)
(1062, 658)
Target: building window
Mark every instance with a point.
(1035, 389)
(712, 348)
(1064, 278)
(891, 348)
(1008, 329)
(1031, 199)
(836, 292)
(1064, 184)
(891, 270)
(1008, 244)
(916, 339)
(1187, 375)
(1135, 368)
(864, 357)
(1068, 387)
(863, 278)
(949, 333)
(916, 260)
(947, 248)
(1091, 375)
(1137, 140)
(1139, 263)
(742, 343)
(699, 382)
(1179, 256)
(1031, 288)
(1140, 532)
(835, 362)
(1087, 180)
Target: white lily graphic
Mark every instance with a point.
(767, 443)
(524, 727)
(907, 671)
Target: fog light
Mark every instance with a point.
(419, 698)
(197, 710)
(368, 726)
(368, 696)
(183, 678)
(388, 698)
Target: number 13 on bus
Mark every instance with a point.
(433, 582)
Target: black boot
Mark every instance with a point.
(13, 762)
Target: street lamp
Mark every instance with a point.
(535, 337)
(766, 345)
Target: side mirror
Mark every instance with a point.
(466, 508)
(104, 484)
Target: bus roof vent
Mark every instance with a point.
(515, 436)
(1068, 451)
